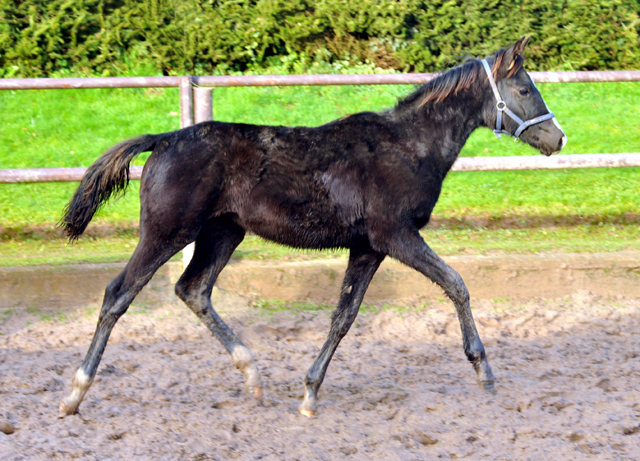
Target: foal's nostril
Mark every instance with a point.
(562, 142)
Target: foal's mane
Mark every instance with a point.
(458, 79)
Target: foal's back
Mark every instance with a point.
(302, 187)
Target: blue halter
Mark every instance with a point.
(502, 107)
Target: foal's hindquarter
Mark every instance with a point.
(367, 182)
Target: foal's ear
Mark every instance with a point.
(514, 52)
(520, 45)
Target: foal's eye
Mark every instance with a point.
(524, 91)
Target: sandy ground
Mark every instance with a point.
(399, 387)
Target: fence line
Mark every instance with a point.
(35, 175)
(291, 80)
(187, 85)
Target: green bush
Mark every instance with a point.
(108, 37)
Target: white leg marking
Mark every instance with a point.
(309, 404)
(79, 387)
(244, 361)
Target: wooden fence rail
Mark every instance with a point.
(200, 106)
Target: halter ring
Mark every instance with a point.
(501, 105)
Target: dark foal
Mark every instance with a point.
(367, 182)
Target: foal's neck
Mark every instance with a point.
(444, 127)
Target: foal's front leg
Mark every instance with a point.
(410, 249)
(363, 263)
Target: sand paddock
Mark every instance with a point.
(399, 387)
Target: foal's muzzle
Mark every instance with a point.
(551, 138)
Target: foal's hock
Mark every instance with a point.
(367, 182)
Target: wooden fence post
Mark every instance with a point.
(186, 101)
(202, 104)
(202, 112)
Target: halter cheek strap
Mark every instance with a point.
(502, 107)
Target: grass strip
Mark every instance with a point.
(446, 242)
(66, 128)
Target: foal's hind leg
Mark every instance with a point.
(147, 258)
(214, 247)
(363, 263)
(410, 249)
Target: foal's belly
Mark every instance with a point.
(301, 226)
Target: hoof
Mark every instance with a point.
(256, 392)
(309, 403)
(67, 408)
(488, 386)
(307, 413)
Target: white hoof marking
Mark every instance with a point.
(79, 387)
(244, 361)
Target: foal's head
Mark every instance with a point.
(518, 98)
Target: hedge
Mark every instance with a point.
(41, 37)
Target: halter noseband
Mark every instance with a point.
(502, 107)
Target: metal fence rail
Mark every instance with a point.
(190, 85)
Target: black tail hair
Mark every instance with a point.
(109, 175)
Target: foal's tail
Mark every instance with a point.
(109, 175)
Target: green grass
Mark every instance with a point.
(583, 238)
(278, 305)
(47, 316)
(56, 128)
(27, 252)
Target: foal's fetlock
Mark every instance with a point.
(478, 359)
(69, 405)
(309, 404)
(486, 379)
(244, 361)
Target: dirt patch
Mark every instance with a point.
(398, 388)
